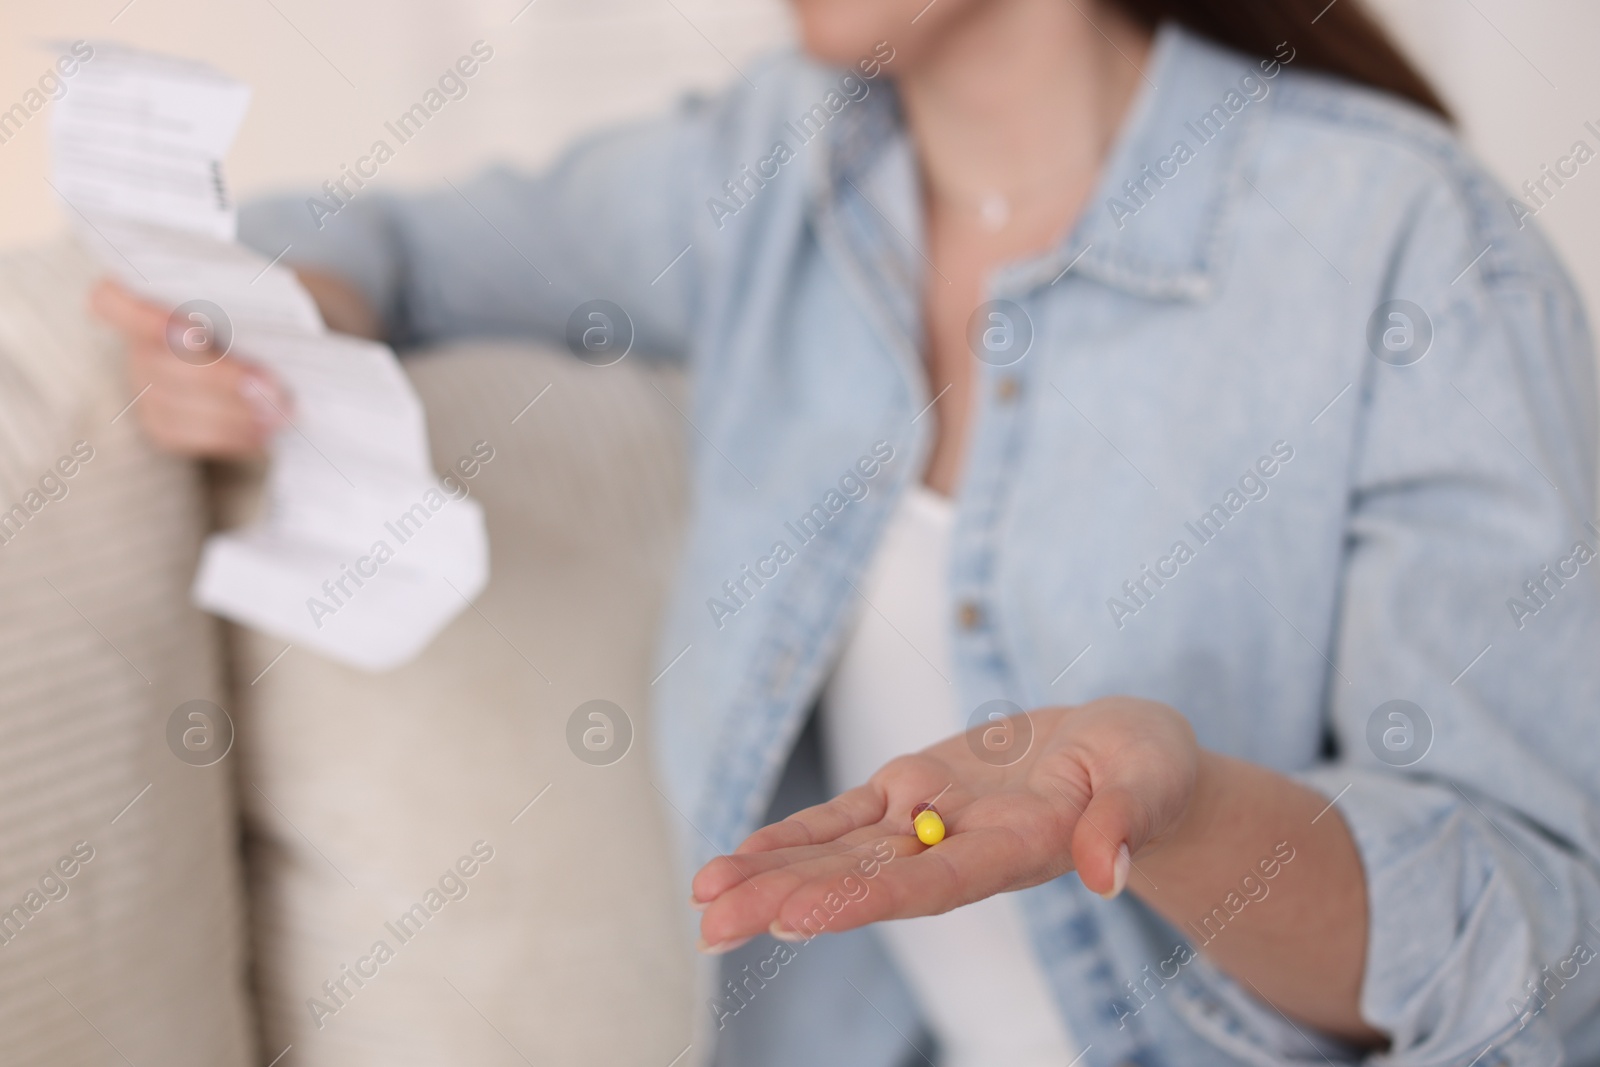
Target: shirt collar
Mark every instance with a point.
(1197, 111)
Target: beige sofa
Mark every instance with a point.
(525, 896)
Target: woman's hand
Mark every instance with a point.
(1100, 783)
(202, 404)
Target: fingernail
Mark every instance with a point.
(721, 947)
(1119, 873)
(783, 933)
(697, 904)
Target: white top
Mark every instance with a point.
(973, 969)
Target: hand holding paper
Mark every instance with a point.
(361, 554)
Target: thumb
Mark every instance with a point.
(1111, 828)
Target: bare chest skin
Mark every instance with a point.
(952, 290)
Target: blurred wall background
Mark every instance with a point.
(327, 76)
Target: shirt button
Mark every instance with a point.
(1006, 389)
(969, 615)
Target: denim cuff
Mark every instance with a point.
(1449, 941)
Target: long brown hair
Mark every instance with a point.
(1340, 38)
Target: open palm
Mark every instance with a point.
(1100, 778)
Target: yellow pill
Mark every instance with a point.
(929, 827)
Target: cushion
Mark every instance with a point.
(121, 934)
(364, 792)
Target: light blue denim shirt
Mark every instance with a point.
(1211, 465)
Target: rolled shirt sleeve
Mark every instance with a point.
(1472, 595)
(1464, 699)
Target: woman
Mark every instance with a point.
(1161, 368)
